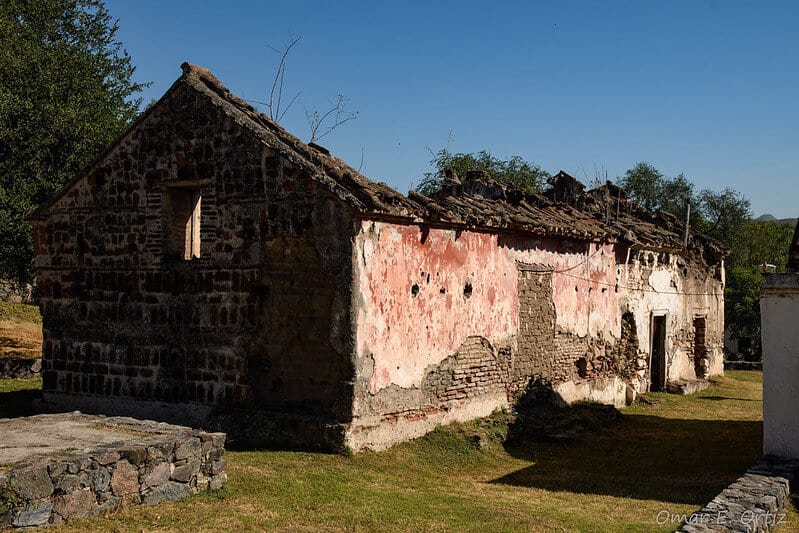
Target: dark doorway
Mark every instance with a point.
(701, 366)
(657, 364)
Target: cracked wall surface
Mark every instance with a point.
(430, 303)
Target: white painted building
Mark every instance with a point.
(779, 306)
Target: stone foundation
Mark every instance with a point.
(19, 367)
(755, 502)
(14, 292)
(62, 467)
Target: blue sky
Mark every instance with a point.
(708, 88)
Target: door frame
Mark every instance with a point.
(664, 316)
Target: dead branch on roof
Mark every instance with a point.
(320, 123)
(275, 102)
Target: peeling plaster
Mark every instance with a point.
(406, 334)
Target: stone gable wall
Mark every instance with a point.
(251, 323)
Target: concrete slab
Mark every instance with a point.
(74, 433)
(687, 386)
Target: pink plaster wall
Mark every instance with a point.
(404, 334)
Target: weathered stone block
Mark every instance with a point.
(77, 504)
(68, 483)
(32, 483)
(108, 502)
(157, 476)
(107, 458)
(56, 470)
(125, 479)
(100, 479)
(217, 467)
(170, 492)
(160, 453)
(33, 516)
(218, 481)
(136, 455)
(188, 449)
(184, 473)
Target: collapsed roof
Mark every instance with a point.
(475, 202)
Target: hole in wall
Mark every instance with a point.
(425, 232)
(582, 367)
(442, 290)
(467, 290)
(414, 290)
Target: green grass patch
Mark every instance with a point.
(20, 385)
(20, 313)
(675, 454)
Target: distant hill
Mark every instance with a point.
(768, 217)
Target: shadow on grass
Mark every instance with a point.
(720, 398)
(18, 403)
(642, 457)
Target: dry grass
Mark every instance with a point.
(20, 331)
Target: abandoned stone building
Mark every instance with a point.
(210, 268)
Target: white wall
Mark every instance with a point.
(779, 306)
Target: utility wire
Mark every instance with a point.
(678, 293)
(616, 285)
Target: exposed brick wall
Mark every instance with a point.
(250, 323)
(477, 369)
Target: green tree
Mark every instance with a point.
(725, 214)
(649, 187)
(761, 242)
(66, 92)
(676, 195)
(515, 171)
(742, 310)
(756, 243)
(644, 184)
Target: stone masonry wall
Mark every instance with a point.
(71, 485)
(251, 323)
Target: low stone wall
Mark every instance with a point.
(11, 291)
(19, 367)
(755, 502)
(140, 462)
